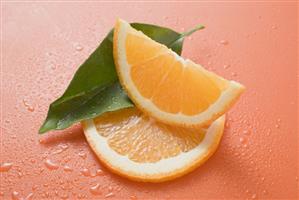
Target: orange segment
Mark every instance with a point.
(140, 50)
(146, 83)
(163, 96)
(167, 87)
(130, 133)
(138, 147)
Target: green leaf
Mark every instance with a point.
(95, 89)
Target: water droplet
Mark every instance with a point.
(41, 141)
(81, 196)
(99, 172)
(234, 74)
(133, 197)
(45, 195)
(82, 155)
(242, 140)
(64, 146)
(226, 66)
(110, 194)
(5, 167)
(50, 165)
(265, 192)
(1, 193)
(67, 168)
(34, 187)
(29, 196)
(64, 196)
(28, 106)
(296, 178)
(15, 195)
(274, 27)
(85, 172)
(78, 47)
(20, 174)
(278, 120)
(110, 188)
(247, 191)
(224, 42)
(253, 196)
(277, 126)
(95, 190)
(61, 148)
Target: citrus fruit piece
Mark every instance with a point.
(140, 148)
(164, 85)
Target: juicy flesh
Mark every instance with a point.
(133, 134)
(174, 85)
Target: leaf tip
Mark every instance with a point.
(196, 28)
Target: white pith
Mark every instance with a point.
(165, 166)
(232, 91)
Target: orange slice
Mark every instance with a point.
(166, 86)
(136, 146)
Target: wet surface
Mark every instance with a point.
(254, 43)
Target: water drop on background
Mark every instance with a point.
(50, 165)
(110, 194)
(64, 196)
(242, 140)
(20, 174)
(234, 74)
(224, 42)
(41, 141)
(82, 155)
(29, 107)
(67, 168)
(78, 47)
(95, 190)
(34, 187)
(15, 195)
(226, 66)
(29, 196)
(99, 172)
(85, 172)
(5, 167)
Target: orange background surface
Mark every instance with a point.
(254, 43)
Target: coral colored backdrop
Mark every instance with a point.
(42, 45)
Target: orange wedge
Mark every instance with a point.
(167, 87)
(138, 147)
